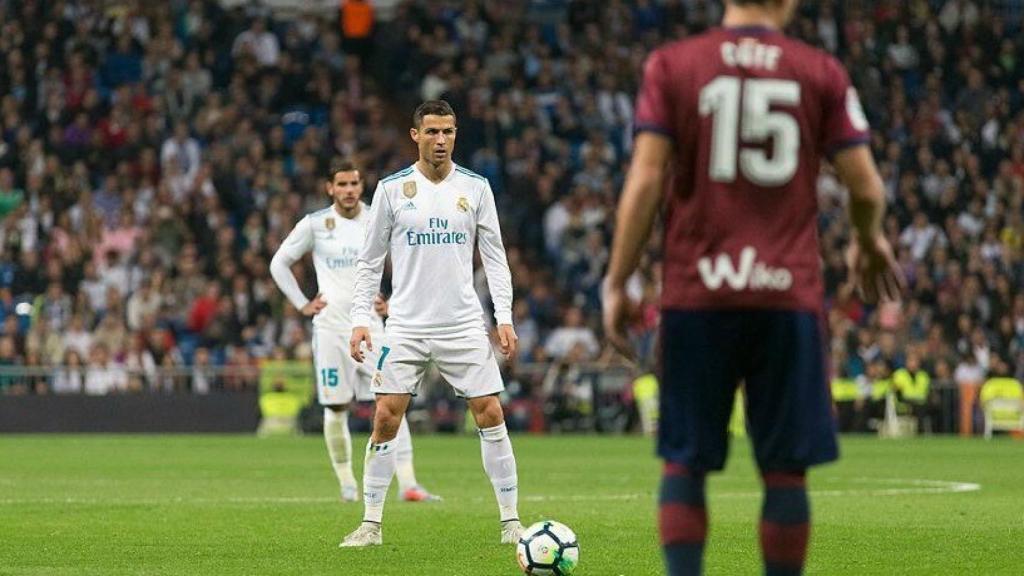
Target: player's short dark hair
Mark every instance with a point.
(343, 165)
(432, 107)
(748, 2)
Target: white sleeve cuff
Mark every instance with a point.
(360, 319)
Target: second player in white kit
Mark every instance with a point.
(335, 236)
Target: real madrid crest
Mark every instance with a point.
(329, 223)
(462, 204)
(409, 189)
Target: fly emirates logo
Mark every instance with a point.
(438, 233)
(749, 274)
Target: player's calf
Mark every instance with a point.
(682, 519)
(387, 417)
(785, 522)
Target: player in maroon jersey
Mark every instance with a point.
(731, 127)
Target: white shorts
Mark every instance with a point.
(339, 378)
(467, 363)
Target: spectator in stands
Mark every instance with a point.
(204, 309)
(921, 236)
(140, 364)
(570, 335)
(240, 373)
(36, 378)
(76, 337)
(10, 196)
(143, 303)
(112, 334)
(10, 383)
(357, 27)
(258, 43)
(45, 341)
(203, 377)
(102, 376)
(182, 150)
(70, 376)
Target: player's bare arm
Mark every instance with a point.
(638, 207)
(874, 270)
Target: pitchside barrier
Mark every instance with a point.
(539, 398)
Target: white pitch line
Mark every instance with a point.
(904, 487)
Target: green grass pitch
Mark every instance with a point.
(233, 505)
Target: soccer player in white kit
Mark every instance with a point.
(429, 217)
(335, 235)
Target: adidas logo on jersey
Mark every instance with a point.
(750, 274)
(409, 206)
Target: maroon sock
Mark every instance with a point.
(785, 523)
(683, 520)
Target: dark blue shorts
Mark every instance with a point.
(780, 358)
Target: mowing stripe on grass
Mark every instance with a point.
(904, 487)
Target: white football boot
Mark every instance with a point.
(511, 530)
(368, 534)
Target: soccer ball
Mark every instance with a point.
(548, 548)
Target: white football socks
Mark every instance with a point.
(403, 458)
(377, 473)
(500, 465)
(339, 445)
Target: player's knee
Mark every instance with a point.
(384, 430)
(487, 412)
(337, 408)
(386, 421)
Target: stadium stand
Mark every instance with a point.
(153, 156)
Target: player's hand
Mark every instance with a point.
(360, 334)
(508, 340)
(314, 306)
(615, 312)
(874, 271)
(380, 306)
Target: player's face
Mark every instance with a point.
(435, 138)
(346, 188)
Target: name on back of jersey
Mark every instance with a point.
(749, 53)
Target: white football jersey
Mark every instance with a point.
(431, 230)
(335, 242)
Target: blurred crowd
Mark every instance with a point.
(155, 154)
